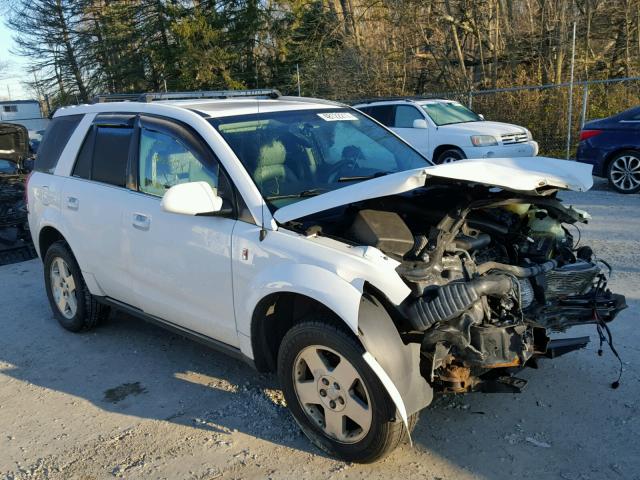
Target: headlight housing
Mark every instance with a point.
(483, 140)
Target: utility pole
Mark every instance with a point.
(570, 108)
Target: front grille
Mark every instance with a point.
(572, 279)
(510, 138)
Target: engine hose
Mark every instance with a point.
(520, 272)
(454, 299)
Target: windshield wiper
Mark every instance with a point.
(303, 194)
(355, 178)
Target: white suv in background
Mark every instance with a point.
(307, 239)
(445, 131)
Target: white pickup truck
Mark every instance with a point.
(445, 131)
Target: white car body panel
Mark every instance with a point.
(517, 174)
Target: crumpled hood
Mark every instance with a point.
(529, 175)
(14, 142)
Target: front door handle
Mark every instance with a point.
(141, 222)
(73, 203)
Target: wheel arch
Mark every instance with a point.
(272, 318)
(441, 148)
(47, 236)
(612, 155)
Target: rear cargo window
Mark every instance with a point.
(110, 155)
(55, 139)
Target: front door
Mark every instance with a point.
(180, 264)
(404, 117)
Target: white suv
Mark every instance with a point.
(446, 131)
(305, 238)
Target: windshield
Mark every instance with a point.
(296, 154)
(446, 113)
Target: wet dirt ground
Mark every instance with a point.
(131, 400)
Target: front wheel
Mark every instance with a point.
(333, 394)
(449, 156)
(624, 172)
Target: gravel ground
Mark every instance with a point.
(131, 400)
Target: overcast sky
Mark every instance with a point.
(17, 68)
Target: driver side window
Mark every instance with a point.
(166, 161)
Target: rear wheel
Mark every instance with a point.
(450, 155)
(624, 172)
(334, 396)
(73, 305)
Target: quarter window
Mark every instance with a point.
(166, 161)
(54, 140)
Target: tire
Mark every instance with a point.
(450, 155)
(70, 300)
(623, 172)
(315, 340)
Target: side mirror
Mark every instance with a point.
(193, 198)
(481, 116)
(420, 123)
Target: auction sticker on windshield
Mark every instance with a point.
(337, 116)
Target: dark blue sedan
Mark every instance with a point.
(612, 146)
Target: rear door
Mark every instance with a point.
(93, 202)
(180, 264)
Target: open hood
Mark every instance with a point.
(532, 175)
(14, 142)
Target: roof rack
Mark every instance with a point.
(219, 94)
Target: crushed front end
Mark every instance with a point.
(491, 279)
(492, 274)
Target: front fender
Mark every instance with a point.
(338, 295)
(396, 364)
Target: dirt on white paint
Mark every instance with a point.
(129, 400)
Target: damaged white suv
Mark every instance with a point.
(304, 237)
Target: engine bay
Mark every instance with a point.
(491, 273)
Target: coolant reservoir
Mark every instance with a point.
(519, 209)
(540, 223)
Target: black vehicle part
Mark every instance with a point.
(560, 346)
(506, 346)
(500, 384)
(465, 242)
(520, 272)
(383, 230)
(453, 299)
(579, 310)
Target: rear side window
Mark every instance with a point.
(110, 155)
(104, 155)
(405, 115)
(382, 113)
(55, 139)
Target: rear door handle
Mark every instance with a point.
(141, 222)
(73, 203)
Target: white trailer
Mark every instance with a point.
(23, 112)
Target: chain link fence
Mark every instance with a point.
(545, 109)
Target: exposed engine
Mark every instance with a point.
(490, 273)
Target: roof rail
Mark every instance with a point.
(155, 96)
(392, 99)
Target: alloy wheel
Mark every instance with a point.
(625, 172)
(332, 394)
(63, 288)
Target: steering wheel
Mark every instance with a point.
(346, 165)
